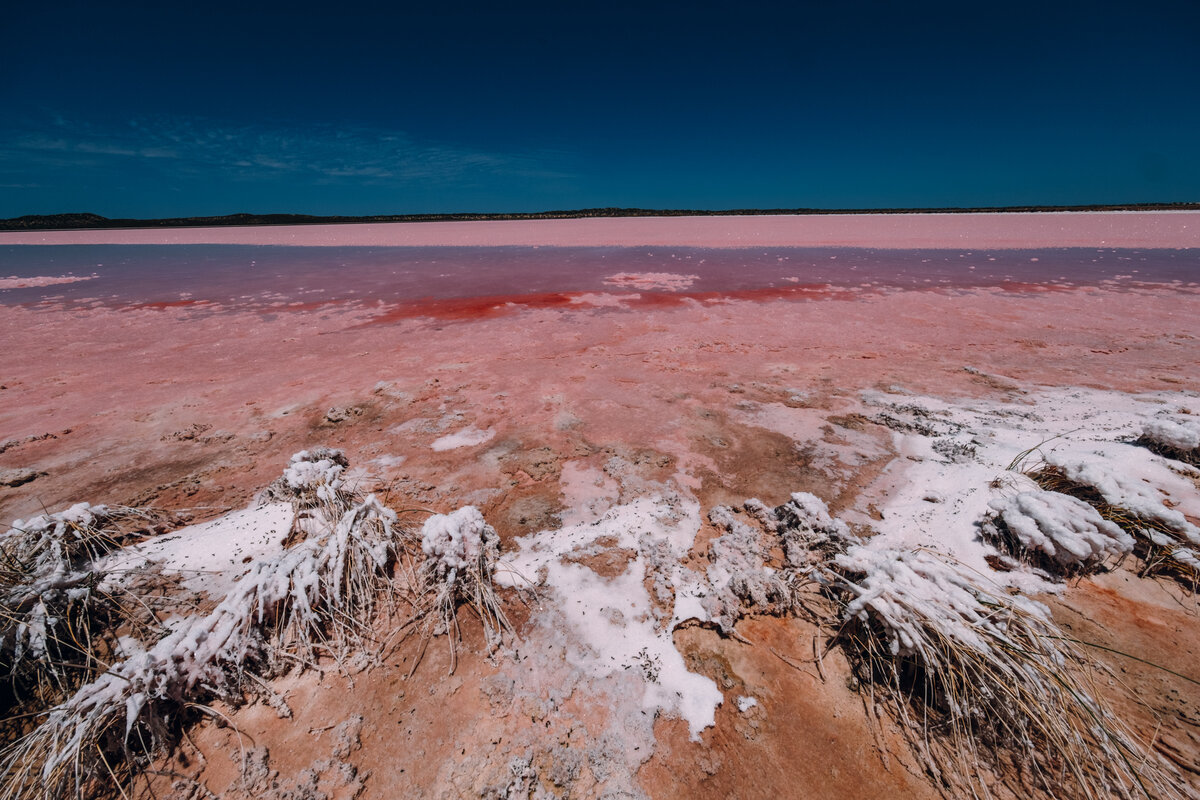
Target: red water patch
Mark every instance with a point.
(1037, 288)
(493, 306)
(452, 309)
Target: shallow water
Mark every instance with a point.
(276, 277)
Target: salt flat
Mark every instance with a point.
(597, 426)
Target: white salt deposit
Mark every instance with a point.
(1180, 431)
(612, 622)
(966, 449)
(388, 461)
(17, 282)
(210, 557)
(744, 703)
(467, 437)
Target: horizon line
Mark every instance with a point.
(93, 221)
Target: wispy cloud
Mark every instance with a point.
(317, 154)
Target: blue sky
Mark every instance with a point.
(158, 109)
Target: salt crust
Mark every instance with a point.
(738, 580)
(1087, 432)
(614, 623)
(211, 556)
(467, 437)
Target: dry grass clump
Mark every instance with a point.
(1173, 436)
(317, 597)
(1162, 546)
(59, 618)
(460, 555)
(1057, 533)
(983, 682)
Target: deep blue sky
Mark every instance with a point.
(163, 109)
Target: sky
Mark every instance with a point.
(184, 109)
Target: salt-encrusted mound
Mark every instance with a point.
(1176, 436)
(1067, 530)
(739, 580)
(808, 530)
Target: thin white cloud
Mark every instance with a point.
(321, 153)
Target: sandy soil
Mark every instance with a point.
(200, 409)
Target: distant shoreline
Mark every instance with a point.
(1129, 228)
(88, 221)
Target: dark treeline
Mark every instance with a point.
(33, 222)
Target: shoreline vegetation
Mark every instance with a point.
(88, 221)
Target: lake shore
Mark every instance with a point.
(1168, 229)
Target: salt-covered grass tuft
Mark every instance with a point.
(1058, 532)
(1165, 541)
(461, 551)
(982, 681)
(58, 624)
(313, 478)
(1174, 436)
(316, 597)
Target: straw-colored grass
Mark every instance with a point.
(460, 553)
(1161, 548)
(983, 682)
(316, 598)
(59, 617)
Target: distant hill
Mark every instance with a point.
(42, 222)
